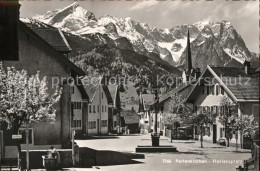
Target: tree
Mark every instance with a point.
(201, 119)
(248, 126)
(25, 100)
(177, 112)
(228, 117)
(177, 106)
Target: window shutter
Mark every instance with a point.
(222, 90)
(217, 87)
(217, 110)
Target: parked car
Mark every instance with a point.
(183, 133)
(222, 141)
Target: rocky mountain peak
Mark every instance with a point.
(214, 40)
(72, 17)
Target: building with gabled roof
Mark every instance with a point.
(52, 35)
(35, 53)
(239, 85)
(115, 118)
(130, 121)
(146, 119)
(98, 107)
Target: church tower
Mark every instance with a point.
(188, 55)
(187, 71)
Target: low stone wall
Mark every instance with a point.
(36, 162)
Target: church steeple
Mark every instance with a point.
(188, 55)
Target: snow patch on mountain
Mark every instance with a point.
(240, 59)
(167, 43)
(170, 47)
(201, 25)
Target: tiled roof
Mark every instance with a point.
(55, 38)
(242, 85)
(24, 28)
(168, 94)
(243, 88)
(130, 116)
(112, 89)
(107, 93)
(51, 35)
(83, 91)
(231, 71)
(91, 90)
(90, 86)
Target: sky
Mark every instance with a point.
(243, 15)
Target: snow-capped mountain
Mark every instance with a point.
(212, 43)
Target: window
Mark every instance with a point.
(161, 107)
(104, 123)
(102, 108)
(90, 110)
(222, 132)
(76, 124)
(217, 87)
(22, 131)
(105, 108)
(94, 109)
(212, 89)
(195, 108)
(72, 90)
(76, 105)
(114, 123)
(221, 110)
(207, 90)
(92, 125)
(207, 131)
(102, 95)
(222, 90)
(211, 109)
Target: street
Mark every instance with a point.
(212, 157)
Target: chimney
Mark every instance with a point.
(188, 57)
(247, 67)
(9, 18)
(197, 73)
